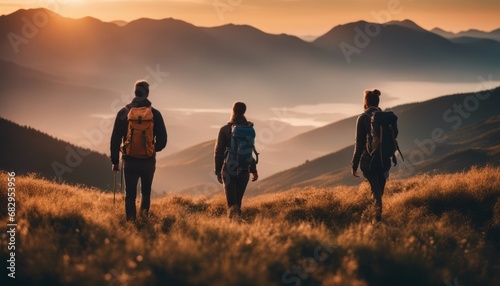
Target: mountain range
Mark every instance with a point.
(196, 67)
(472, 33)
(68, 77)
(406, 47)
(204, 67)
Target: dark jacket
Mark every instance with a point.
(223, 142)
(121, 127)
(363, 134)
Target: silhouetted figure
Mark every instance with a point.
(233, 164)
(139, 132)
(363, 148)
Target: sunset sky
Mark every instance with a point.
(297, 17)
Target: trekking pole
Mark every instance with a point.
(114, 187)
(121, 181)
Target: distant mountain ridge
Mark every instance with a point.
(472, 33)
(397, 46)
(107, 55)
(406, 23)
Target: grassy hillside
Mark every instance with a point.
(435, 228)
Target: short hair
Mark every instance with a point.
(141, 88)
(372, 98)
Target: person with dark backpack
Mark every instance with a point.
(375, 147)
(234, 161)
(139, 132)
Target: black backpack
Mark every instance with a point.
(383, 145)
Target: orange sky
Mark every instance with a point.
(297, 17)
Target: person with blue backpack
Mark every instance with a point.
(234, 161)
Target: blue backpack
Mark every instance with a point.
(239, 152)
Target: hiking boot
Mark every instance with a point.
(231, 212)
(143, 214)
(238, 211)
(234, 212)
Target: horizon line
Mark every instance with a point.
(235, 24)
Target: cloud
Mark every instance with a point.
(316, 115)
(298, 122)
(327, 108)
(190, 111)
(102, 116)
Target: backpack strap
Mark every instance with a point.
(380, 144)
(256, 154)
(368, 143)
(394, 160)
(228, 141)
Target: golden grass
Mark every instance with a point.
(435, 228)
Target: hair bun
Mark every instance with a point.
(376, 92)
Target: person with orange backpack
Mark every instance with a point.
(139, 132)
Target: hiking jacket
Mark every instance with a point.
(363, 134)
(224, 141)
(121, 127)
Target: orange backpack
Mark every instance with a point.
(139, 142)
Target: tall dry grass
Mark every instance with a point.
(435, 228)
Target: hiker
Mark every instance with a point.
(139, 132)
(373, 156)
(233, 167)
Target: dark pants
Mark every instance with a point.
(234, 187)
(133, 170)
(377, 185)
